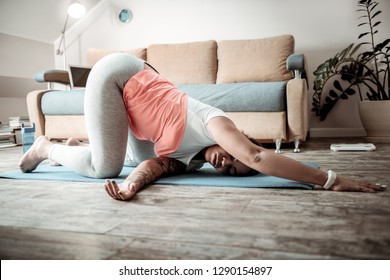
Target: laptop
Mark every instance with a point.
(78, 75)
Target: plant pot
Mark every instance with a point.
(375, 117)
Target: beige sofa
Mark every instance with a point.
(240, 76)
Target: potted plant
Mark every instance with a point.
(361, 68)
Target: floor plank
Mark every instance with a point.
(65, 220)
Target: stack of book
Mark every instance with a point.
(20, 121)
(7, 137)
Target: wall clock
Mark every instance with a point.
(125, 16)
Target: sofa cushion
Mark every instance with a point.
(188, 63)
(241, 97)
(60, 102)
(237, 97)
(94, 55)
(260, 60)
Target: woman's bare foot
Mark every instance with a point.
(38, 152)
(74, 142)
(69, 142)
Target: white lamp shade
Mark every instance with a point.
(76, 10)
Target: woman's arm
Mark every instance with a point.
(145, 173)
(235, 143)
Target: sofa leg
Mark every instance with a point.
(297, 142)
(278, 143)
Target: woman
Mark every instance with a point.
(122, 92)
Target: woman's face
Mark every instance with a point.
(224, 163)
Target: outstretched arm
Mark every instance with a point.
(145, 173)
(235, 143)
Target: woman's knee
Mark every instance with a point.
(104, 172)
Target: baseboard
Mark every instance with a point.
(337, 132)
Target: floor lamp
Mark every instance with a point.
(75, 10)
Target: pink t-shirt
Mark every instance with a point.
(156, 111)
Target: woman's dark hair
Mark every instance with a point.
(253, 140)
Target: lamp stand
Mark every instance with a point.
(62, 42)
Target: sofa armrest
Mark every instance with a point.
(297, 110)
(53, 76)
(296, 63)
(35, 111)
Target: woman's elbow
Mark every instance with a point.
(255, 158)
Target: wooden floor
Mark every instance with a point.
(62, 220)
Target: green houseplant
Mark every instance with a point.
(361, 68)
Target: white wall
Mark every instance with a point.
(20, 60)
(321, 28)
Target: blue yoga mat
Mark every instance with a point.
(206, 176)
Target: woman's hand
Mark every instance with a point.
(124, 191)
(346, 184)
(145, 173)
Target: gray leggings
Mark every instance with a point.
(106, 123)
